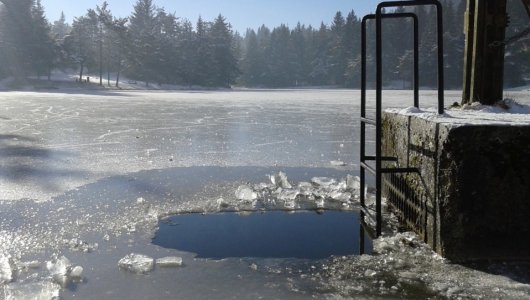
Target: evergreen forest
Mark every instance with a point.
(154, 46)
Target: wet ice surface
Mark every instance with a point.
(87, 178)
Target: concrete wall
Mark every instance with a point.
(471, 198)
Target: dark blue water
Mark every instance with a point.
(305, 235)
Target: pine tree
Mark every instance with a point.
(320, 63)
(186, 49)
(43, 47)
(81, 44)
(252, 63)
(224, 68)
(203, 58)
(17, 35)
(352, 48)
(143, 53)
(338, 49)
(60, 28)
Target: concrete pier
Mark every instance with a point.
(471, 197)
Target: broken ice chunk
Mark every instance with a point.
(245, 193)
(77, 272)
(170, 261)
(340, 196)
(221, 203)
(34, 264)
(337, 163)
(261, 186)
(306, 188)
(280, 180)
(37, 290)
(323, 181)
(6, 270)
(288, 195)
(353, 183)
(320, 202)
(289, 204)
(137, 263)
(60, 269)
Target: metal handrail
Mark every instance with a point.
(379, 87)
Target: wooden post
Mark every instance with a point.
(486, 22)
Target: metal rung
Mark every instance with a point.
(372, 233)
(367, 167)
(369, 121)
(399, 170)
(384, 158)
(368, 213)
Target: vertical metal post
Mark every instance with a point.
(363, 112)
(378, 129)
(441, 83)
(362, 246)
(416, 62)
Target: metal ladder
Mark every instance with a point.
(378, 170)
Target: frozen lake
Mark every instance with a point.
(88, 176)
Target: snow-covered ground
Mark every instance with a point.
(87, 174)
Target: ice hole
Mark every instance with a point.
(304, 235)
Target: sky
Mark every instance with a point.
(241, 14)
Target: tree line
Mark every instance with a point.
(155, 46)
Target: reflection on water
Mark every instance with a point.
(305, 235)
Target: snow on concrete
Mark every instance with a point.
(507, 112)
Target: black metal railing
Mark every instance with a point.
(378, 170)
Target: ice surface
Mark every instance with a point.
(137, 263)
(92, 154)
(170, 261)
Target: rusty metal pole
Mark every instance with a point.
(486, 22)
(469, 29)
